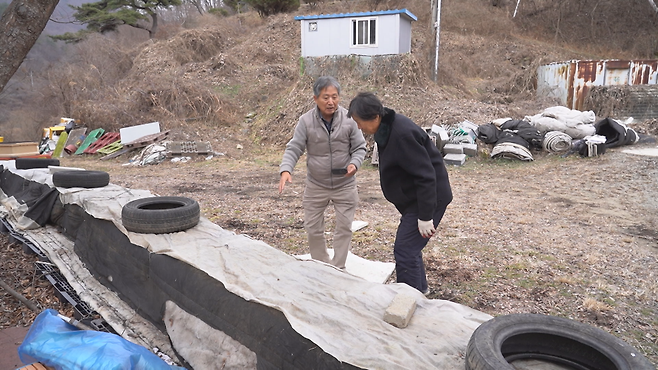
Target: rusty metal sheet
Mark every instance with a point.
(552, 81)
(588, 73)
(644, 72)
(618, 64)
(571, 81)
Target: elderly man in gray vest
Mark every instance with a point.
(335, 150)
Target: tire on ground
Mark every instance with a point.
(29, 163)
(160, 215)
(507, 338)
(81, 179)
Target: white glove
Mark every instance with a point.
(426, 228)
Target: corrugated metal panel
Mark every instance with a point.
(573, 85)
(552, 81)
(588, 73)
(644, 72)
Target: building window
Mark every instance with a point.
(364, 32)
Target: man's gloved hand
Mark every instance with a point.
(426, 228)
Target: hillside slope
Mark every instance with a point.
(221, 69)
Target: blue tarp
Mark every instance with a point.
(60, 345)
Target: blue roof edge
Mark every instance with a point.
(361, 14)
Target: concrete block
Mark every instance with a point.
(442, 136)
(400, 310)
(470, 150)
(455, 159)
(453, 149)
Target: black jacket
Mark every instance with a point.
(411, 170)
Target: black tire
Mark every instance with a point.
(160, 215)
(81, 179)
(504, 339)
(29, 163)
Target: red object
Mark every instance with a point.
(70, 149)
(107, 138)
(44, 155)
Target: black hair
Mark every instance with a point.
(366, 106)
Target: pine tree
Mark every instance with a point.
(106, 15)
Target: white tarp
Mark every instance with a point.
(573, 122)
(341, 313)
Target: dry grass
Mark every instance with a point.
(593, 305)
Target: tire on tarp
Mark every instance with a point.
(507, 338)
(81, 179)
(160, 215)
(29, 163)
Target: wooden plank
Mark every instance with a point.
(59, 148)
(36, 366)
(106, 139)
(110, 148)
(92, 137)
(77, 134)
(147, 140)
(116, 154)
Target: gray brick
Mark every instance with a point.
(455, 159)
(400, 310)
(470, 150)
(453, 149)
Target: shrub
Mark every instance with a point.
(269, 7)
(220, 12)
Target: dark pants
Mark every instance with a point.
(408, 250)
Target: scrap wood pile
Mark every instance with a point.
(153, 144)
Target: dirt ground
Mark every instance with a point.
(573, 237)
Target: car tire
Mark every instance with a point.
(507, 338)
(81, 179)
(160, 215)
(30, 163)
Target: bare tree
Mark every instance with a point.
(20, 26)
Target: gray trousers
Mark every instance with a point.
(316, 200)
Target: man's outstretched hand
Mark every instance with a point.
(285, 177)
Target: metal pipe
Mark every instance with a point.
(437, 26)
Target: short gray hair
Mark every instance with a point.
(323, 82)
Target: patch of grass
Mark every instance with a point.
(565, 279)
(515, 270)
(490, 273)
(230, 91)
(609, 301)
(527, 283)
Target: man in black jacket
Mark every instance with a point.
(413, 177)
